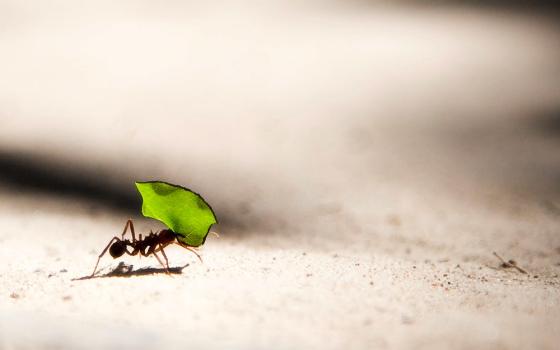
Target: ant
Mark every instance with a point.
(149, 245)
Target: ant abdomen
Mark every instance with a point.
(117, 249)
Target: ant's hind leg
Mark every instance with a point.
(103, 253)
(126, 226)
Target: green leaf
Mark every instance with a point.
(182, 210)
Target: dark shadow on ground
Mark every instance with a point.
(547, 124)
(124, 270)
(110, 188)
(29, 172)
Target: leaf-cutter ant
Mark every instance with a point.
(149, 245)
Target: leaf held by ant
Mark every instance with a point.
(182, 210)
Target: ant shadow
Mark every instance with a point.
(124, 270)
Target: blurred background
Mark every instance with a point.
(281, 109)
(277, 109)
(407, 128)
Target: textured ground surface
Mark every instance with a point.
(364, 162)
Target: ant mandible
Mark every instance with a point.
(149, 245)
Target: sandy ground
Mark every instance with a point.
(364, 161)
(267, 293)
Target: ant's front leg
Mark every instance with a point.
(152, 250)
(161, 263)
(126, 226)
(164, 255)
(103, 253)
(189, 248)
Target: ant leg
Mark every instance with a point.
(103, 253)
(133, 252)
(191, 249)
(158, 259)
(164, 255)
(131, 225)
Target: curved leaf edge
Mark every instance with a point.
(184, 188)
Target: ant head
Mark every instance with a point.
(167, 236)
(117, 249)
